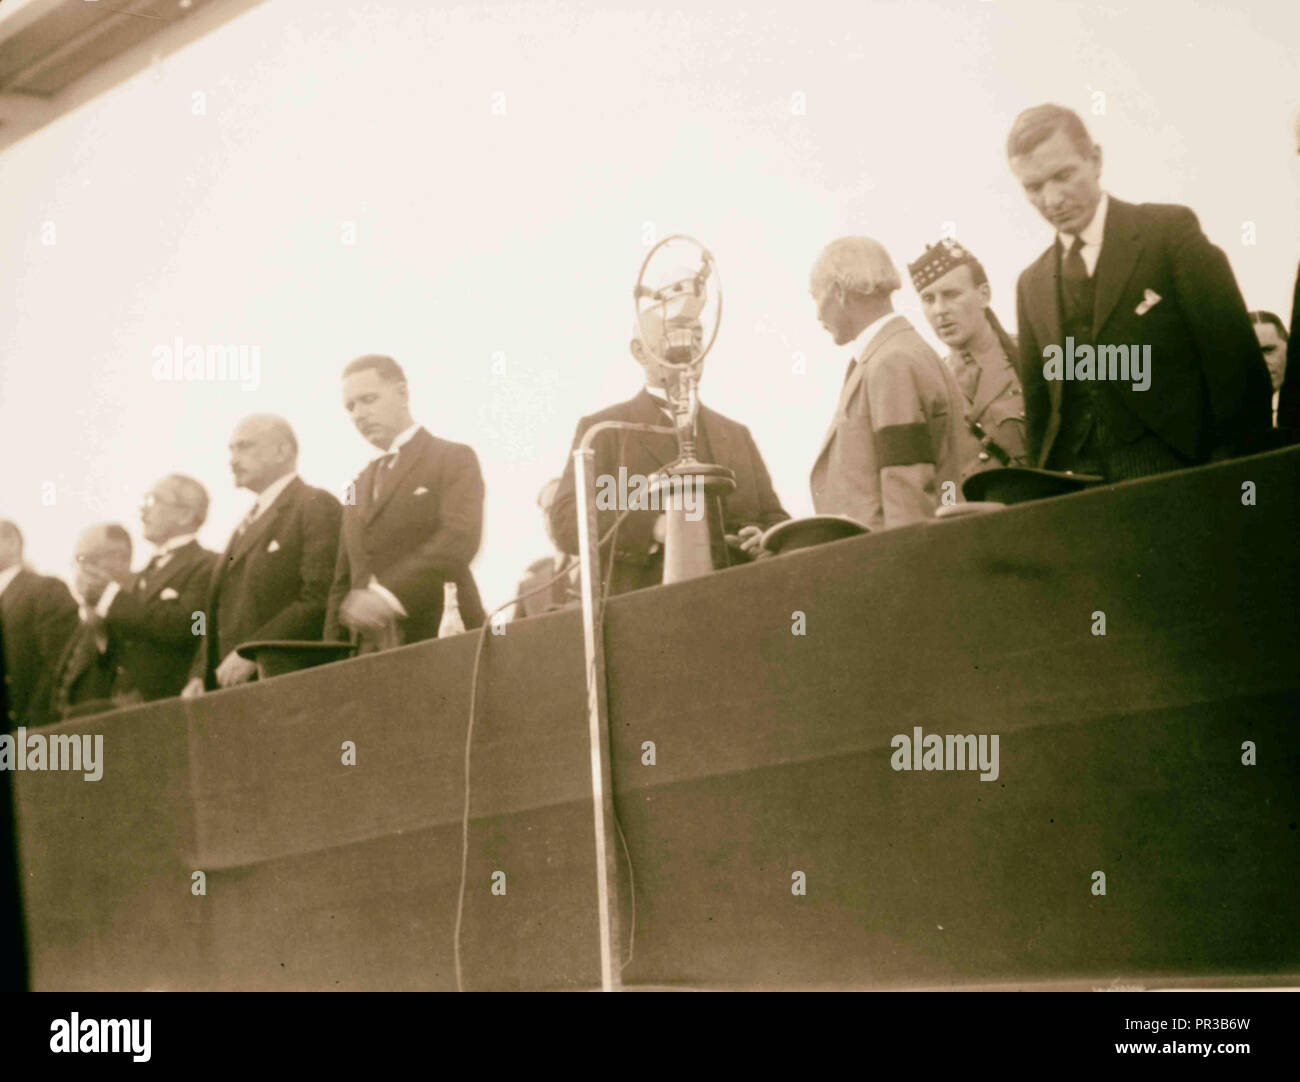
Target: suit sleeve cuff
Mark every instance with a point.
(389, 597)
(106, 600)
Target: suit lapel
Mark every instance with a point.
(407, 456)
(1045, 310)
(645, 410)
(240, 546)
(176, 566)
(1121, 249)
(712, 438)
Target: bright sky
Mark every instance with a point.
(517, 237)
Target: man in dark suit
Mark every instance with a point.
(413, 522)
(1124, 281)
(150, 619)
(39, 617)
(638, 544)
(273, 579)
(88, 669)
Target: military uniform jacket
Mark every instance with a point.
(997, 408)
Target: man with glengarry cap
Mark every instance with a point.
(955, 294)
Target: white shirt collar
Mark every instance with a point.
(173, 543)
(8, 575)
(657, 392)
(268, 495)
(868, 334)
(400, 440)
(1091, 234)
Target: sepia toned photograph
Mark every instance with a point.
(559, 495)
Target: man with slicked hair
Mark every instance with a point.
(39, 616)
(148, 619)
(272, 580)
(414, 523)
(1137, 278)
(894, 451)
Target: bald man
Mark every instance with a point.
(895, 445)
(86, 676)
(638, 552)
(273, 579)
(38, 616)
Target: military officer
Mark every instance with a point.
(955, 295)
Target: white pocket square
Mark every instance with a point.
(168, 594)
(421, 491)
(274, 546)
(1150, 298)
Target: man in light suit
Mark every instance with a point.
(273, 579)
(638, 553)
(955, 295)
(39, 616)
(894, 449)
(1143, 279)
(414, 525)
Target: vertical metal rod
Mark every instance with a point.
(602, 792)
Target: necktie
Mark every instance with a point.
(383, 464)
(849, 371)
(1076, 285)
(142, 581)
(246, 521)
(968, 375)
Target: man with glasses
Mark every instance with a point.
(150, 619)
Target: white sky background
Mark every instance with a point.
(523, 233)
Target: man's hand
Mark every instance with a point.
(235, 670)
(365, 610)
(193, 689)
(750, 540)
